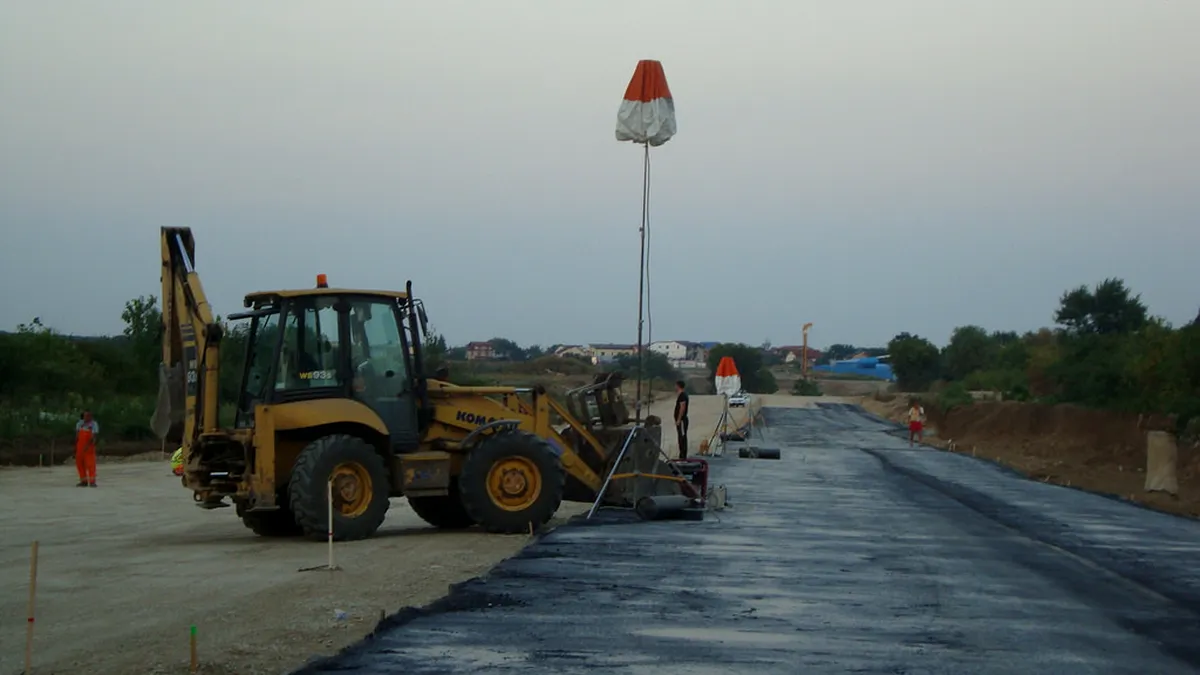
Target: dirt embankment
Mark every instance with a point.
(1093, 450)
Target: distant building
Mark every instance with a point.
(577, 351)
(480, 351)
(701, 351)
(674, 350)
(873, 366)
(605, 352)
(792, 354)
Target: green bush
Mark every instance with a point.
(554, 364)
(806, 388)
(765, 383)
(954, 395)
(1003, 381)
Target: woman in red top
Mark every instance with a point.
(916, 422)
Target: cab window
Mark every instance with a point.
(376, 349)
(310, 354)
(260, 353)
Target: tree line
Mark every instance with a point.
(842, 351)
(1105, 350)
(47, 378)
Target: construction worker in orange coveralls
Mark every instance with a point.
(86, 431)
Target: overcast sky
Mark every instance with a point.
(871, 167)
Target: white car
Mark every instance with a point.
(739, 400)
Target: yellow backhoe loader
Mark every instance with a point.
(335, 408)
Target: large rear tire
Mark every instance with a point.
(360, 488)
(446, 511)
(512, 482)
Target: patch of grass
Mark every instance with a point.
(539, 366)
(806, 388)
(553, 364)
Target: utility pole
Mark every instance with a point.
(804, 356)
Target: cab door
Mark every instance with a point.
(379, 368)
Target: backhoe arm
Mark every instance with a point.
(190, 343)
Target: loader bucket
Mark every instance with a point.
(640, 469)
(631, 459)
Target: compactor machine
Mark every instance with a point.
(335, 407)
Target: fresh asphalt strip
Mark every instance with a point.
(851, 554)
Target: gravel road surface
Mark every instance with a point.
(127, 568)
(852, 553)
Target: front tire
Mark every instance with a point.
(512, 482)
(360, 488)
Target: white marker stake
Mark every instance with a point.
(33, 569)
(330, 495)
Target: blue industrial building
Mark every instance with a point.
(871, 366)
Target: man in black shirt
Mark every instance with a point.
(681, 418)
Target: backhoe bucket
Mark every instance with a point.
(167, 421)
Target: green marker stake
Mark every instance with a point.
(195, 664)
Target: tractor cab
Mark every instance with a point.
(328, 343)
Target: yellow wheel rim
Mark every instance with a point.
(352, 489)
(514, 483)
